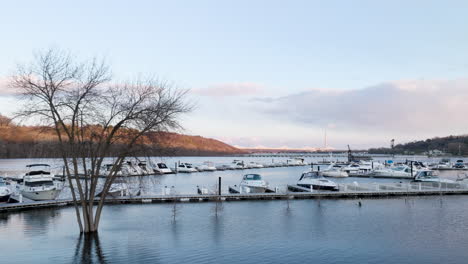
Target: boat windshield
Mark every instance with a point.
(311, 174)
(2, 182)
(254, 177)
(162, 166)
(39, 183)
(401, 168)
(427, 174)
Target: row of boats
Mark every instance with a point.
(237, 165)
(317, 180)
(40, 184)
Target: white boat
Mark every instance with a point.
(402, 171)
(254, 165)
(161, 168)
(118, 188)
(5, 192)
(315, 180)
(426, 175)
(335, 170)
(237, 165)
(38, 183)
(206, 166)
(295, 162)
(144, 168)
(362, 167)
(253, 183)
(186, 167)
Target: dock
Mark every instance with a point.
(347, 191)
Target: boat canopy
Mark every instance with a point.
(255, 177)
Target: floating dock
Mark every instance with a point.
(347, 191)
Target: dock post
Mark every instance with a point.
(219, 185)
(411, 169)
(175, 167)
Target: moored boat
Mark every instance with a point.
(38, 183)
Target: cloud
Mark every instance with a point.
(420, 107)
(230, 89)
(5, 88)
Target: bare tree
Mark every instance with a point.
(93, 118)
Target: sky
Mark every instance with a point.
(271, 73)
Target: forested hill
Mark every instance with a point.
(41, 142)
(451, 145)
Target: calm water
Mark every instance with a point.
(414, 230)
(417, 230)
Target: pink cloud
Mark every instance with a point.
(230, 89)
(5, 88)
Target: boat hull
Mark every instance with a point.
(41, 195)
(5, 198)
(320, 187)
(253, 189)
(335, 174)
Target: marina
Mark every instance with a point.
(347, 191)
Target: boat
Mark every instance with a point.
(254, 165)
(444, 164)
(38, 183)
(315, 180)
(402, 171)
(5, 192)
(426, 175)
(459, 164)
(237, 165)
(295, 162)
(144, 168)
(161, 168)
(118, 188)
(186, 167)
(253, 183)
(206, 166)
(362, 167)
(335, 170)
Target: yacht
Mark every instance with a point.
(335, 170)
(402, 171)
(459, 164)
(206, 166)
(254, 165)
(5, 192)
(118, 188)
(295, 162)
(315, 180)
(144, 168)
(429, 176)
(38, 183)
(161, 168)
(253, 183)
(238, 165)
(186, 167)
(362, 167)
(444, 164)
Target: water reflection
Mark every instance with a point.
(38, 222)
(88, 249)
